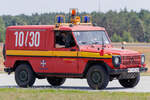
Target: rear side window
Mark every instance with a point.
(64, 39)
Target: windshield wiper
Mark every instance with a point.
(83, 42)
(96, 42)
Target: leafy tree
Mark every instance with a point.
(116, 38)
(127, 37)
(124, 25)
(2, 30)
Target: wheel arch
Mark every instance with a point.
(91, 63)
(19, 62)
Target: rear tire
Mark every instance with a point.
(130, 83)
(97, 77)
(24, 76)
(56, 81)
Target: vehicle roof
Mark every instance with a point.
(52, 27)
(31, 27)
(82, 28)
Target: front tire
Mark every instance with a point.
(56, 81)
(97, 77)
(130, 83)
(24, 76)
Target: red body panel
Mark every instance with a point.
(44, 35)
(56, 64)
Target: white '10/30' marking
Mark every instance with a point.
(34, 40)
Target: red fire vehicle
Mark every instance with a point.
(69, 50)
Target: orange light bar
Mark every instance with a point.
(73, 12)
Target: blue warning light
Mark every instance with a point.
(60, 19)
(86, 19)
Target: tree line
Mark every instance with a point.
(129, 26)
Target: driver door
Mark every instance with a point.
(65, 52)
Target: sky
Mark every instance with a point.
(28, 7)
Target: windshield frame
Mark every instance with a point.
(91, 31)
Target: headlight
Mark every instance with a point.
(142, 59)
(116, 60)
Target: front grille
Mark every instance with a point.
(131, 60)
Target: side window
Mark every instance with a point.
(64, 39)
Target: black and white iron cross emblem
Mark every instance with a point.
(43, 63)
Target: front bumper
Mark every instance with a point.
(120, 71)
(8, 70)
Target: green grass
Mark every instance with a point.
(50, 94)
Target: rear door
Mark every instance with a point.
(26, 44)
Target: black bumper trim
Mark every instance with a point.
(8, 70)
(119, 71)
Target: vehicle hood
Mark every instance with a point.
(109, 50)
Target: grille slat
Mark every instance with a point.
(131, 60)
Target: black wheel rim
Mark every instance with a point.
(23, 76)
(96, 77)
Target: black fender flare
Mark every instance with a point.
(90, 63)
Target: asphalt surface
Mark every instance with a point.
(8, 81)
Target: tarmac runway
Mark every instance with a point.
(8, 81)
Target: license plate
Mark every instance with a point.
(132, 70)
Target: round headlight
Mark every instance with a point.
(116, 60)
(142, 59)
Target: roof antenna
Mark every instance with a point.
(103, 46)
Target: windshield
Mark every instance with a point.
(91, 37)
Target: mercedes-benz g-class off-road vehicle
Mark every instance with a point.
(76, 49)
